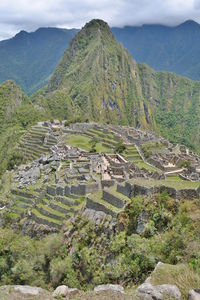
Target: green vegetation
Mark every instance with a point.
(143, 165)
(120, 147)
(85, 143)
(182, 275)
(170, 234)
(17, 113)
(169, 182)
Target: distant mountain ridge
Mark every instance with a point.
(174, 49)
(30, 58)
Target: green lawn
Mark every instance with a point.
(83, 142)
(179, 185)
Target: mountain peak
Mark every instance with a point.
(22, 33)
(94, 28)
(97, 24)
(189, 23)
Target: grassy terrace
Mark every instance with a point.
(142, 164)
(83, 142)
(32, 143)
(100, 133)
(97, 197)
(107, 138)
(41, 216)
(131, 154)
(169, 182)
(113, 191)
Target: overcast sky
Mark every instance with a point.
(16, 15)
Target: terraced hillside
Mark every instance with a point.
(77, 169)
(38, 140)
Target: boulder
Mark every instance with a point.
(28, 290)
(35, 173)
(73, 292)
(194, 294)
(147, 291)
(61, 290)
(115, 288)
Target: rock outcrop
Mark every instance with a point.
(147, 291)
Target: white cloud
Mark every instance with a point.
(31, 14)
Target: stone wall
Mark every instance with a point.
(113, 200)
(107, 183)
(45, 222)
(125, 189)
(83, 189)
(99, 207)
(155, 163)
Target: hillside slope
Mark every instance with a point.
(16, 114)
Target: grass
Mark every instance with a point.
(39, 215)
(113, 191)
(175, 178)
(83, 142)
(181, 275)
(148, 167)
(97, 197)
(51, 210)
(179, 185)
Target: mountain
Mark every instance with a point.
(97, 79)
(174, 49)
(30, 58)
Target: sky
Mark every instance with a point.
(16, 15)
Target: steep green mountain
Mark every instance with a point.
(16, 114)
(101, 79)
(174, 49)
(98, 80)
(30, 58)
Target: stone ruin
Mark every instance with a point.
(61, 180)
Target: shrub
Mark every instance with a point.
(120, 147)
(14, 160)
